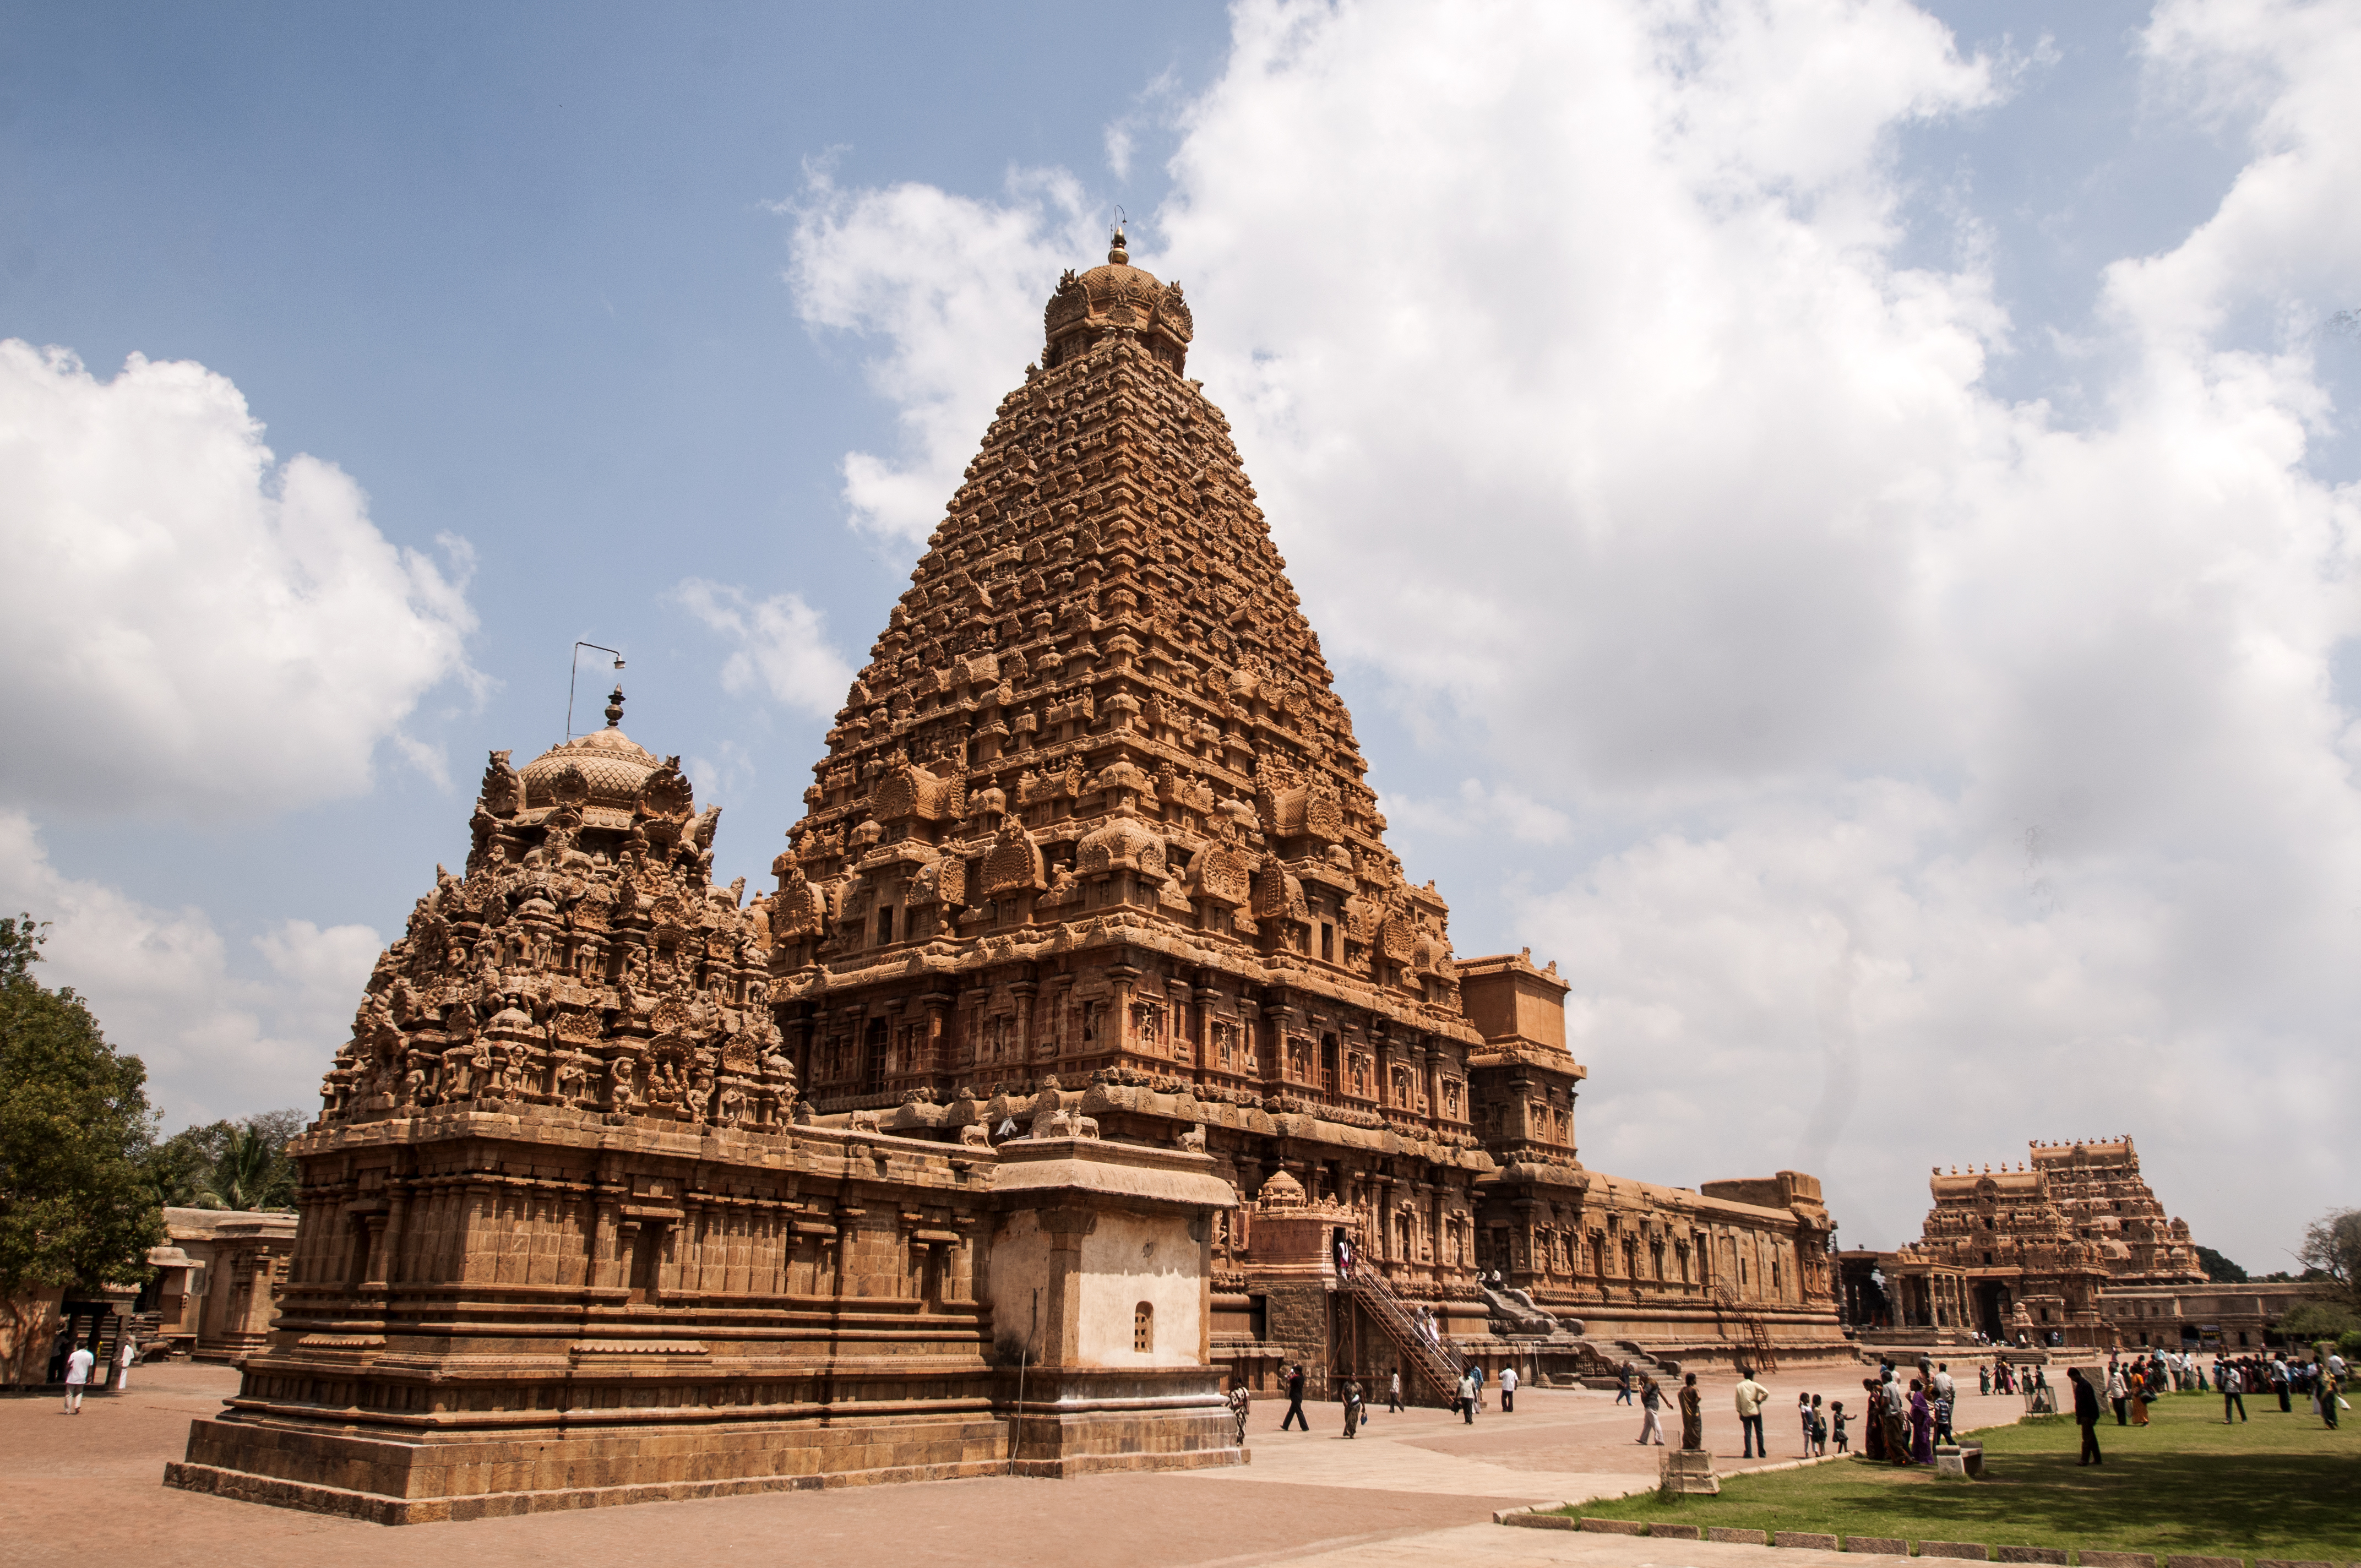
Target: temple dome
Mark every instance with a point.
(611, 764)
(1280, 1191)
(1117, 297)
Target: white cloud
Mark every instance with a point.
(1478, 808)
(781, 646)
(1967, 775)
(215, 1043)
(955, 286)
(191, 627)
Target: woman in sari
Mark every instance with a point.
(1922, 1425)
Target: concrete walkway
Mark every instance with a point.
(87, 1490)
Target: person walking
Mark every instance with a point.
(1295, 1400)
(1652, 1406)
(1468, 1395)
(1749, 1398)
(78, 1365)
(1351, 1407)
(1692, 1414)
(1393, 1393)
(1240, 1403)
(2086, 1416)
(1507, 1390)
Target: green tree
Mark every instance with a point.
(76, 1205)
(2332, 1250)
(2219, 1269)
(2308, 1320)
(238, 1164)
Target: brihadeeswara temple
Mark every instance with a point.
(1093, 1051)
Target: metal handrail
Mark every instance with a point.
(1371, 1290)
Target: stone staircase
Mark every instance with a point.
(1427, 1362)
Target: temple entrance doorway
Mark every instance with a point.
(1991, 1309)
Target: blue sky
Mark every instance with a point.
(1834, 519)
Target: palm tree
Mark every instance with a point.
(249, 1173)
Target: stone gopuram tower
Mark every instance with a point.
(1094, 837)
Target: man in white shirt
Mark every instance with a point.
(1507, 1390)
(1750, 1399)
(78, 1367)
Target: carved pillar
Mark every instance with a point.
(1062, 1307)
(1124, 975)
(1205, 997)
(1024, 991)
(934, 1058)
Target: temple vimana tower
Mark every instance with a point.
(1093, 1050)
(2070, 1247)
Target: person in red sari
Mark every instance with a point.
(1873, 1429)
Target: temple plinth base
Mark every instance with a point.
(1070, 1423)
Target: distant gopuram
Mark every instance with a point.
(1092, 1050)
(2070, 1248)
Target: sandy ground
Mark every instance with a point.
(87, 1490)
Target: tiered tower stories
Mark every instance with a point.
(2082, 1205)
(1093, 824)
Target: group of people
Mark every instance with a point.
(2319, 1380)
(1904, 1424)
(2130, 1389)
(1350, 1394)
(1468, 1398)
(1635, 1387)
(77, 1365)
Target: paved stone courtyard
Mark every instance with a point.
(1419, 1486)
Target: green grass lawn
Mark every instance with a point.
(2279, 1486)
